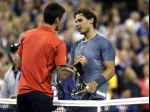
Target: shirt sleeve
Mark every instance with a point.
(107, 51)
(60, 58)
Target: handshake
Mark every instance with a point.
(66, 71)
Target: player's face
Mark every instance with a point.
(82, 23)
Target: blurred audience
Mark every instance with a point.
(125, 23)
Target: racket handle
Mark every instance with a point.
(78, 67)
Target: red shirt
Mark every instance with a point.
(144, 85)
(41, 51)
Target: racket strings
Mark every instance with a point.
(80, 85)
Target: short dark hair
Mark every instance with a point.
(87, 13)
(52, 11)
(14, 47)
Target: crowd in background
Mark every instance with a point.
(123, 22)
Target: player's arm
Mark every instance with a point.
(108, 73)
(60, 62)
(108, 58)
(64, 71)
(103, 78)
(110, 69)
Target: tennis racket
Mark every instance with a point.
(79, 84)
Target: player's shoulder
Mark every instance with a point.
(29, 31)
(59, 42)
(104, 42)
(25, 34)
(101, 37)
(55, 41)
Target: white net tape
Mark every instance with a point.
(127, 101)
(99, 104)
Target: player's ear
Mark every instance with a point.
(58, 20)
(91, 21)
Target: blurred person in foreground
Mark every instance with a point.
(126, 93)
(97, 56)
(40, 52)
(10, 85)
(4, 65)
(143, 83)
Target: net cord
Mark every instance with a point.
(83, 103)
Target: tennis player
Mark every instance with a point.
(97, 56)
(40, 52)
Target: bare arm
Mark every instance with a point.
(109, 66)
(63, 73)
(66, 71)
(109, 69)
(104, 77)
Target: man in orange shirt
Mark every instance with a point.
(40, 52)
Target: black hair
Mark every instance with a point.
(14, 47)
(53, 11)
(87, 13)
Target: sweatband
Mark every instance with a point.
(101, 80)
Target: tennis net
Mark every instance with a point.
(117, 105)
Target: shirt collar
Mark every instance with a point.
(43, 27)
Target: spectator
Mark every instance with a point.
(143, 81)
(10, 85)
